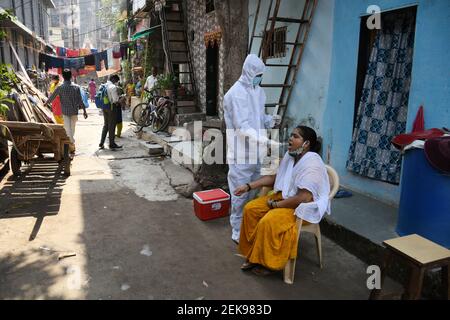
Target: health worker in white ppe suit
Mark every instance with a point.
(246, 121)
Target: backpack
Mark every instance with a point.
(101, 98)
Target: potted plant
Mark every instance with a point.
(3, 107)
(167, 83)
(7, 81)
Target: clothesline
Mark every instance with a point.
(121, 43)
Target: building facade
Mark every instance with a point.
(330, 85)
(65, 23)
(207, 56)
(28, 31)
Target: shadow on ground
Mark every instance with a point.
(15, 270)
(35, 193)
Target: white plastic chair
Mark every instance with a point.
(314, 228)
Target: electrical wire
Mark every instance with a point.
(104, 27)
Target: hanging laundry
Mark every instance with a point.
(124, 50)
(50, 61)
(99, 57)
(89, 60)
(61, 52)
(74, 63)
(116, 51)
(116, 64)
(55, 62)
(90, 68)
(73, 53)
(85, 52)
(110, 61)
(78, 63)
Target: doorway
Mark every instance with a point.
(212, 79)
(381, 104)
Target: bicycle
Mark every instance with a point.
(155, 113)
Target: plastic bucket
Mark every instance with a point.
(424, 206)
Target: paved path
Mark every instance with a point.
(135, 238)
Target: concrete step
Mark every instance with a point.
(181, 119)
(152, 148)
(187, 110)
(186, 153)
(213, 122)
(186, 103)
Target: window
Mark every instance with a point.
(209, 5)
(55, 21)
(276, 46)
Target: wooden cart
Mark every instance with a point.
(31, 139)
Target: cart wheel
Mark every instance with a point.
(14, 162)
(66, 160)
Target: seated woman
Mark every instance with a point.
(301, 188)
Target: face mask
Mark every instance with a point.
(257, 80)
(298, 152)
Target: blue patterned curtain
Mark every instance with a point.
(382, 110)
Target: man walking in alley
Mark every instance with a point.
(245, 117)
(151, 80)
(71, 101)
(110, 114)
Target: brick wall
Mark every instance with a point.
(201, 22)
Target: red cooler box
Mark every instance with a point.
(211, 204)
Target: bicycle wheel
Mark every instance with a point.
(140, 113)
(161, 121)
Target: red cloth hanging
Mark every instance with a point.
(403, 140)
(73, 53)
(419, 122)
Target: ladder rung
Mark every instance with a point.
(178, 50)
(293, 43)
(177, 41)
(182, 72)
(280, 65)
(258, 37)
(275, 85)
(283, 19)
(174, 20)
(270, 105)
(173, 30)
(179, 62)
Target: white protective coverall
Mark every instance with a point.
(245, 116)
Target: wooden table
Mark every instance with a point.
(420, 255)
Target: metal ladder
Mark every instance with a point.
(292, 68)
(176, 47)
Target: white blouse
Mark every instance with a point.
(308, 173)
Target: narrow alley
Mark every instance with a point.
(135, 238)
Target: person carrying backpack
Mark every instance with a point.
(107, 99)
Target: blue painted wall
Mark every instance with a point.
(309, 96)
(324, 95)
(430, 81)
